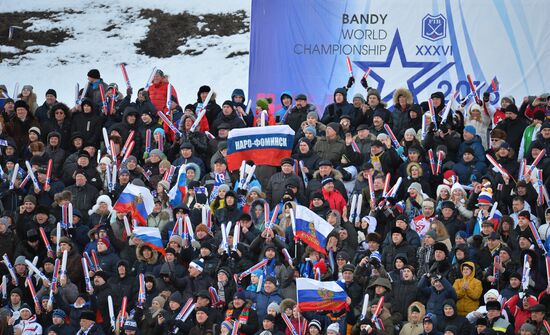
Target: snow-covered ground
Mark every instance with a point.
(62, 66)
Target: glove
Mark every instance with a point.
(486, 96)
(351, 81)
(129, 91)
(364, 83)
(400, 151)
(195, 244)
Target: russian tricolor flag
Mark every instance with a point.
(151, 237)
(263, 145)
(178, 192)
(136, 200)
(314, 295)
(312, 229)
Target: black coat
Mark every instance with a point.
(88, 125)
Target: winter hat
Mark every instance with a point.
(275, 307)
(485, 197)
(429, 318)
(441, 247)
(58, 313)
(508, 98)
(410, 131)
(335, 126)
(176, 297)
(240, 295)
(432, 234)
(333, 328)
(30, 198)
(223, 187)
(52, 92)
(160, 299)
(493, 305)
(87, 315)
(539, 115)
(177, 239)
(313, 115)
(441, 188)
(105, 241)
(201, 227)
(198, 264)
(35, 130)
(264, 103)
(415, 186)
(327, 180)
(101, 199)
(448, 204)
(20, 260)
(21, 104)
(158, 153)
(359, 96)
(471, 129)
(311, 129)
(527, 327)
(94, 73)
(491, 293)
(511, 109)
(315, 323)
(130, 325)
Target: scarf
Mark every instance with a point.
(375, 161)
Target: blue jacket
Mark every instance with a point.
(435, 299)
(475, 144)
(466, 172)
(262, 300)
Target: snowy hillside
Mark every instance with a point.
(194, 42)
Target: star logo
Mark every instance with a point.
(424, 68)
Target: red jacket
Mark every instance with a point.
(270, 119)
(335, 200)
(157, 94)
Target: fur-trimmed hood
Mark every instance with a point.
(286, 303)
(402, 91)
(420, 307)
(154, 257)
(334, 173)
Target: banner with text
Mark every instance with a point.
(263, 145)
(426, 46)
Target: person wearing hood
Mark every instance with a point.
(404, 290)
(59, 120)
(124, 283)
(310, 159)
(453, 318)
(402, 100)
(286, 105)
(339, 107)
(86, 123)
(429, 324)
(228, 116)
(415, 315)
(469, 168)
(99, 294)
(468, 289)
(514, 125)
(398, 246)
